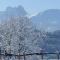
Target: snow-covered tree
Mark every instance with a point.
(18, 36)
(15, 31)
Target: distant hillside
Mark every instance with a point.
(48, 20)
(52, 42)
(12, 11)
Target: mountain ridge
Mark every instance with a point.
(12, 12)
(48, 20)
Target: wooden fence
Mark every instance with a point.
(31, 56)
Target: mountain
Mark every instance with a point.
(12, 12)
(48, 20)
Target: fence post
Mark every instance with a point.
(19, 51)
(0, 56)
(24, 56)
(58, 56)
(42, 56)
(19, 57)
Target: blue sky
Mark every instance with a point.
(31, 6)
